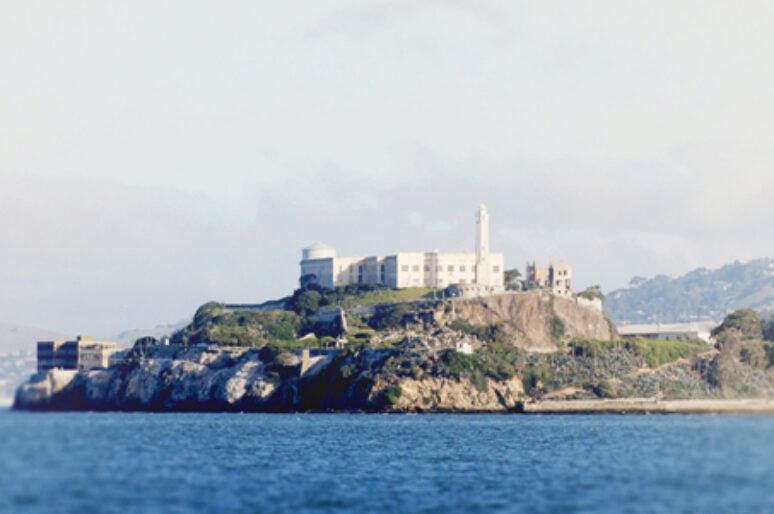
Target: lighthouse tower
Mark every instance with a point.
(483, 264)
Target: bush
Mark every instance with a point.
(455, 364)
(479, 381)
(657, 352)
(389, 316)
(538, 379)
(753, 353)
(390, 395)
(592, 293)
(605, 389)
(487, 333)
(307, 302)
(747, 321)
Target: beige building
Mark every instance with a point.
(434, 269)
(83, 353)
(557, 277)
(96, 354)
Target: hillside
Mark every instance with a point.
(532, 321)
(17, 338)
(702, 294)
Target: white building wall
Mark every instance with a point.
(410, 269)
(405, 269)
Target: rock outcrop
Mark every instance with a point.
(267, 380)
(449, 395)
(527, 319)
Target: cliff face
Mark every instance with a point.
(200, 379)
(527, 318)
(168, 379)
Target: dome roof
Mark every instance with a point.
(318, 251)
(319, 246)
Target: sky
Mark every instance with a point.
(158, 155)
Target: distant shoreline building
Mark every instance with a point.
(83, 353)
(482, 270)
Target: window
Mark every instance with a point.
(427, 268)
(382, 268)
(439, 269)
(415, 267)
(360, 269)
(450, 268)
(496, 268)
(462, 268)
(404, 267)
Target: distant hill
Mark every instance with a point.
(128, 337)
(15, 338)
(701, 295)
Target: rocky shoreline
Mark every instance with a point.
(207, 379)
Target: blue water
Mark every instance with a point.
(136, 462)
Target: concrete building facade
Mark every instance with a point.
(434, 269)
(83, 353)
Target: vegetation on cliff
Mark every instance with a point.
(213, 323)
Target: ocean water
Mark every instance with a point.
(138, 462)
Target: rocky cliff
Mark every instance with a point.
(268, 380)
(537, 321)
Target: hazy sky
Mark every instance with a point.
(157, 155)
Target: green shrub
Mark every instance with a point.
(753, 353)
(487, 333)
(347, 371)
(390, 395)
(389, 316)
(605, 389)
(479, 381)
(747, 321)
(657, 352)
(307, 302)
(455, 364)
(538, 379)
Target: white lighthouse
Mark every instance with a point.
(483, 264)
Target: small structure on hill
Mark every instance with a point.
(680, 331)
(557, 277)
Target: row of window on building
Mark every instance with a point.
(81, 354)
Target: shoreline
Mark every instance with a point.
(650, 406)
(618, 406)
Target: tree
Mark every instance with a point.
(768, 329)
(746, 321)
(309, 281)
(307, 302)
(512, 282)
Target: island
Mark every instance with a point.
(371, 348)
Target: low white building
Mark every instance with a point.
(696, 330)
(409, 269)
